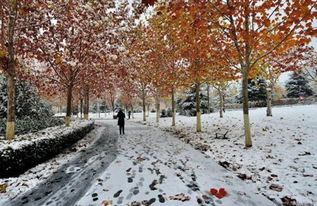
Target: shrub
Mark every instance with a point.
(32, 113)
(166, 113)
(15, 161)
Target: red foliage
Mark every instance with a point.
(149, 2)
(219, 194)
(213, 191)
(222, 192)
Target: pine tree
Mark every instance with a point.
(257, 90)
(187, 105)
(297, 85)
(32, 113)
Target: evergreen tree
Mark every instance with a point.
(257, 90)
(32, 113)
(187, 105)
(297, 85)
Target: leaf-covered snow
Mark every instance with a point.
(281, 163)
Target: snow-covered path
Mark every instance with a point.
(73, 179)
(154, 168)
(144, 167)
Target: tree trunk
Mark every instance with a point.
(132, 111)
(208, 99)
(69, 105)
(81, 108)
(269, 100)
(98, 109)
(2, 31)
(86, 104)
(173, 108)
(157, 99)
(220, 103)
(148, 110)
(223, 101)
(198, 112)
(112, 106)
(143, 104)
(77, 114)
(10, 128)
(246, 119)
(245, 74)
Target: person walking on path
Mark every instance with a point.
(129, 113)
(121, 117)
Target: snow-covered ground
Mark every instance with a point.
(282, 163)
(154, 168)
(101, 115)
(38, 174)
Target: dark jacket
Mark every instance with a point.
(120, 117)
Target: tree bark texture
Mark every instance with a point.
(86, 104)
(198, 112)
(69, 105)
(10, 127)
(173, 108)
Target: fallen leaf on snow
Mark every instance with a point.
(106, 202)
(3, 188)
(305, 153)
(289, 201)
(219, 194)
(276, 187)
(181, 197)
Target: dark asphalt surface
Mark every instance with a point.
(73, 179)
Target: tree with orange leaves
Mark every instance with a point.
(18, 20)
(136, 64)
(170, 75)
(301, 57)
(197, 44)
(257, 29)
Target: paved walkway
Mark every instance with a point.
(144, 167)
(153, 168)
(73, 179)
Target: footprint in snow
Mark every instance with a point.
(130, 179)
(129, 196)
(120, 200)
(161, 198)
(94, 197)
(136, 191)
(117, 194)
(140, 184)
(152, 185)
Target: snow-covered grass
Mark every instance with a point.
(38, 174)
(283, 160)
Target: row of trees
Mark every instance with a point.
(188, 43)
(86, 49)
(61, 47)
